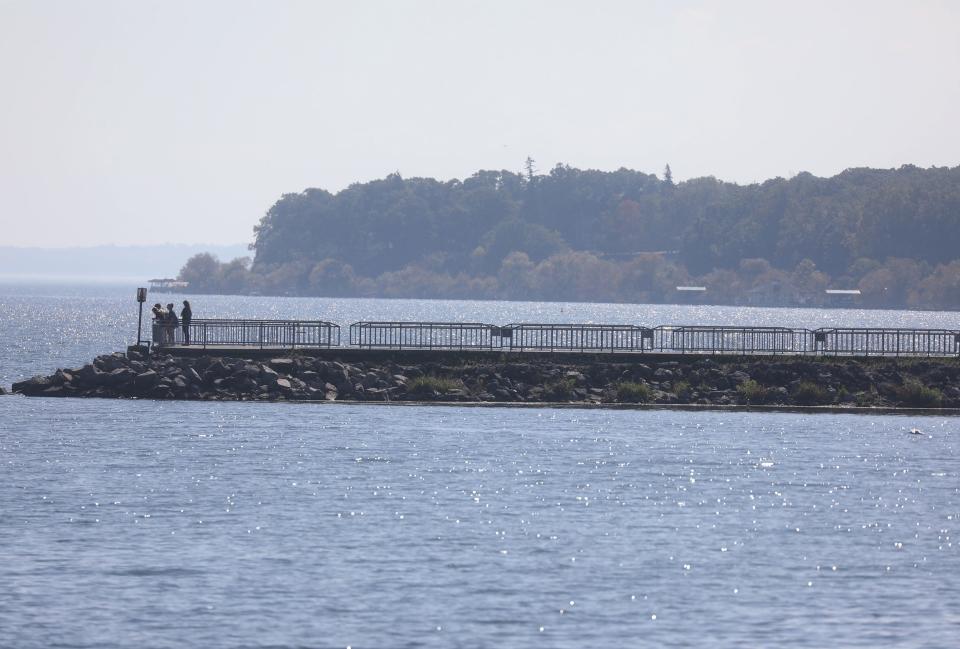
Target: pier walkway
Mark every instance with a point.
(234, 337)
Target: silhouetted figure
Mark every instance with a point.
(171, 323)
(159, 322)
(186, 315)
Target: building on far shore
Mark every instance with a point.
(690, 294)
(843, 297)
(167, 283)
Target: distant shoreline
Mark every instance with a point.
(129, 282)
(17, 279)
(112, 263)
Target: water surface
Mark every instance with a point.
(137, 523)
(129, 523)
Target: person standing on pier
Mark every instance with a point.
(171, 323)
(186, 315)
(159, 323)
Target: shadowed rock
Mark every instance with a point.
(146, 380)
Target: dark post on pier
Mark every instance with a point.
(141, 298)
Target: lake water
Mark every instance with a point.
(170, 524)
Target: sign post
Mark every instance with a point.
(141, 298)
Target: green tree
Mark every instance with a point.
(535, 240)
(454, 236)
(234, 276)
(201, 271)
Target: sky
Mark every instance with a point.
(152, 122)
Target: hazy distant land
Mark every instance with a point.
(104, 263)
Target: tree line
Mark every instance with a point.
(623, 235)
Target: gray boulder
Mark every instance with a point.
(32, 386)
(218, 369)
(160, 392)
(90, 376)
(107, 362)
(285, 365)
(330, 391)
(146, 380)
(268, 375)
(121, 376)
(662, 373)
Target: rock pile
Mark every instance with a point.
(693, 380)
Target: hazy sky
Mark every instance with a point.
(151, 122)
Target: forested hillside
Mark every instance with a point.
(623, 235)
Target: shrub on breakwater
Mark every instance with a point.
(633, 392)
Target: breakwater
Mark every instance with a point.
(420, 376)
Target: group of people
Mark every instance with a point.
(165, 322)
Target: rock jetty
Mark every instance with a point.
(464, 378)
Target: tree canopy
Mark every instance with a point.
(582, 234)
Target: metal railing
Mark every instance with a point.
(731, 340)
(886, 342)
(551, 337)
(423, 335)
(575, 337)
(290, 334)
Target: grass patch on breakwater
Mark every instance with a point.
(427, 384)
(915, 394)
(752, 392)
(561, 390)
(633, 392)
(810, 394)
